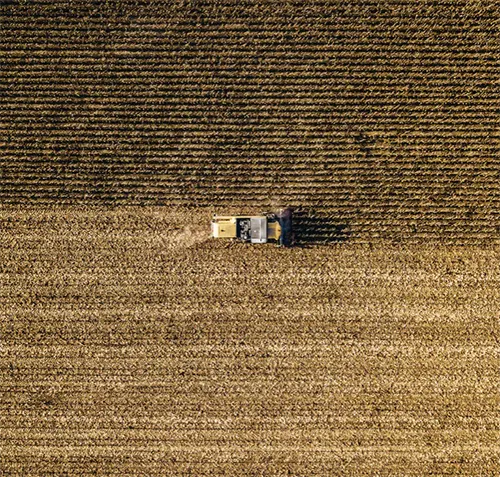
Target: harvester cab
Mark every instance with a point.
(274, 226)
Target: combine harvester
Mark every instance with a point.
(275, 226)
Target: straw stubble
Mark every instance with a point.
(131, 343)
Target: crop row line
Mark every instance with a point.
(242, 82)
(23, 101)
(25, 43)
(317, 58)
(256, 131)
(248, 169)
(205, 119)
(318, 165)
(256, 21)
(286, 184)
(405, 209)
(231, 178)
(270, 172)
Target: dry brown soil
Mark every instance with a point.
(132, 343)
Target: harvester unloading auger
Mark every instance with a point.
(273, 226)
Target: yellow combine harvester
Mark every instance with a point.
(275, 226)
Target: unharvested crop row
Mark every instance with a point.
(382, 197)
(317, 168)
(314, 167)
(466, 186)
(378, 191)
(369, 111)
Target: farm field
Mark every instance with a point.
(133, 344)
(380, 117)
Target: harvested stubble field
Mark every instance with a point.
(132, 344)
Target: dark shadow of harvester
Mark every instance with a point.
(284, 217)
(311, 228)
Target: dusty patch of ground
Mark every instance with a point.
(130, 343)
